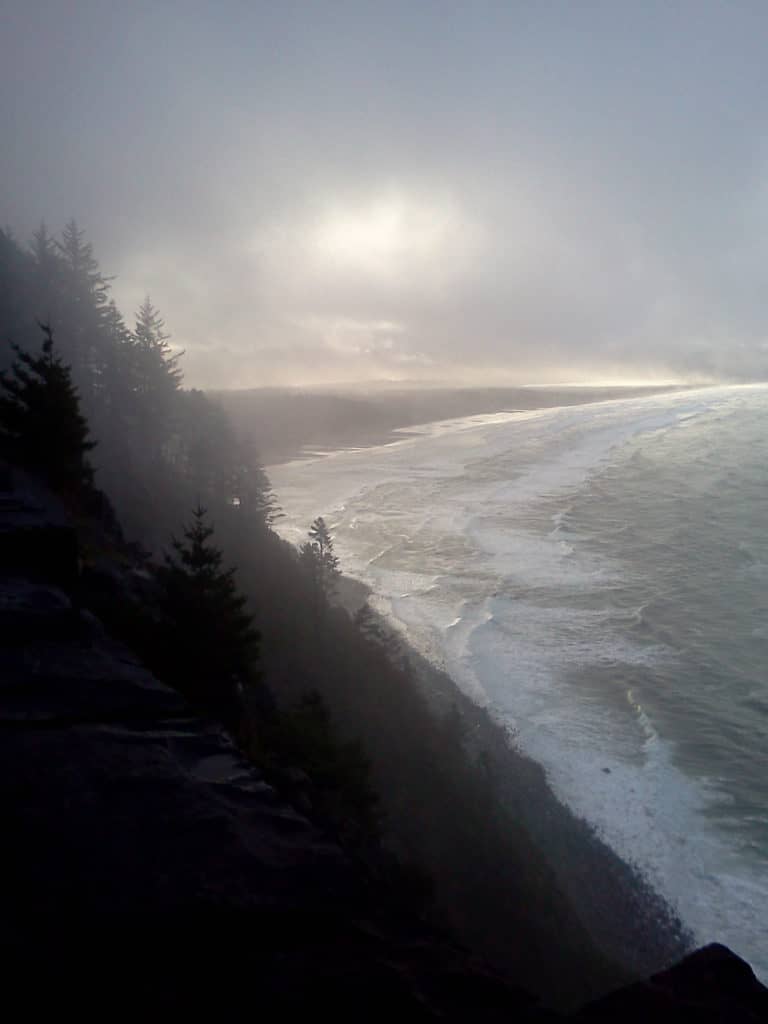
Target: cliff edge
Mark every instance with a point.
(149, 869)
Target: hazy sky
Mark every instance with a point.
(344, 190)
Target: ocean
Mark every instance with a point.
(597, 577)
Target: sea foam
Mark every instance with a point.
(473, 536)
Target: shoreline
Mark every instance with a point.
(290, 424)
(630, 923)
(609, 900)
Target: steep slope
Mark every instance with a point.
(150, 870)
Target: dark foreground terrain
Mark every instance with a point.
(150, 870)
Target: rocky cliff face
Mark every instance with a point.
(148, 869)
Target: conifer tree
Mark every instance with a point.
(156, 379)
(161, 371)
(318, 558)
(82, 265)
(321, 540)
(15, 268)
(43, 247)
(247, 485)
(41, 427)
(210, 644)
(48, 266)
(83, 309)
(45, 293)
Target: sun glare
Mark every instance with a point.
(382, 237)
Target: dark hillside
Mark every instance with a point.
(222, 787)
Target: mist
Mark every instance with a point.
(383, 409)
(355, 191)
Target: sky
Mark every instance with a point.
(471, 192)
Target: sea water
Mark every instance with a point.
(597, 576)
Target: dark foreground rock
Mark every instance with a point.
(148, 871)
(710, 985)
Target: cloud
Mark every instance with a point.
(519, 279)
(378, 189)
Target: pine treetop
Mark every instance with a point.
(199, 558)
(209, 629)
(158, 367)
(318, 556)
(79, 258)
(41, 427)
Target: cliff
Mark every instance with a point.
(147, 866)
(149, 869)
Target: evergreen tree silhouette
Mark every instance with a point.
(160, 446)
(319, 550)
(41, 427)
(44, 249)
(47, 276)
(156, 378)
(82, 265)
(321, 570)
(15, 271)
(208, 634)
(84, 315)
(150, 338)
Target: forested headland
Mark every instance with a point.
(179, 560)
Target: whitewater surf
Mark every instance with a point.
(596, 577)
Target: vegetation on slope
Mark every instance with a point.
(326, 703)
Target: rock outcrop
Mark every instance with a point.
(711, 985)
